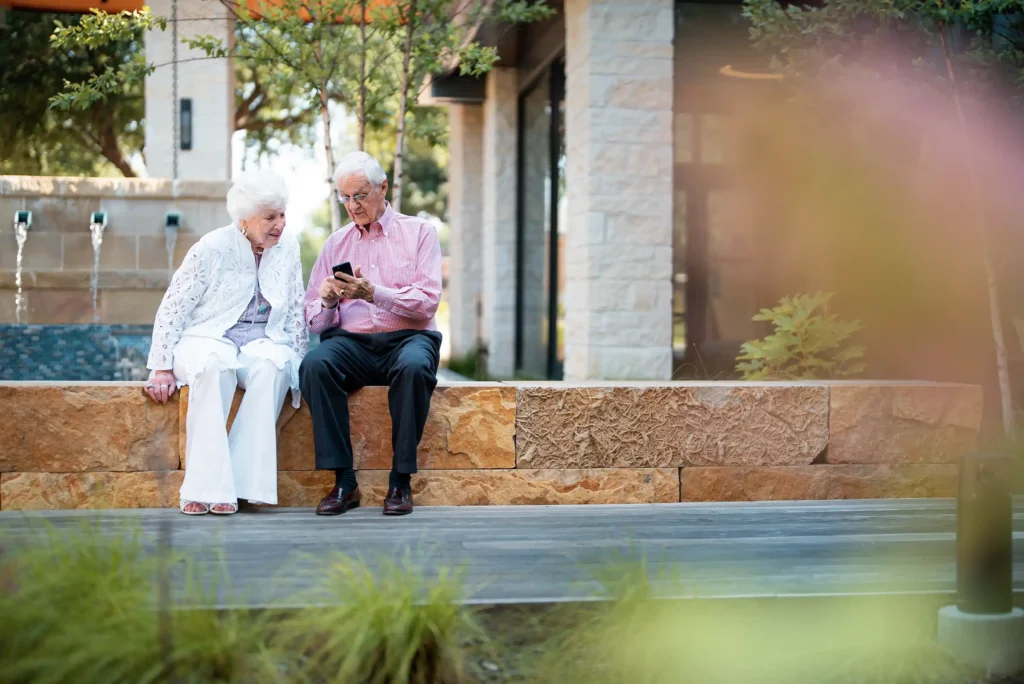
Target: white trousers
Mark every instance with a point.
(222, 467)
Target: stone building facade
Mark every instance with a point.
(591, 236)
(589, 256)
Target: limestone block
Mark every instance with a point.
(41, 250)
(497, 487)
(631, 362)
(632, 22)
(70, 280)
(878, 422)
(637, 425)
(470, 425)
(130, 307)
(7, 312)
(57, 491)
(118, 252)
(631, 125)
(73, 427)
(817, 482)
(613, 263)
(60, 307)
(60, 214)
(153, 251)
(136, 216)
(143, 188)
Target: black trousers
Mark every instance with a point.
(405, 361)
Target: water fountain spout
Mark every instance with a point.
(22, 222)
(172, 223)
(97, 223)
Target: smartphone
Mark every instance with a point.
(345, 268)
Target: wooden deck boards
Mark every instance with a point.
(560, 553)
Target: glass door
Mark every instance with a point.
(541, 220)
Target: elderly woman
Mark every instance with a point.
(233, 316)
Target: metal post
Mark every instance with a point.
(984, 535)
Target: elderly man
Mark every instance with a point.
(376, 327)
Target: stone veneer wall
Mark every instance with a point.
(465, 207)
(104, 445)
(58, 258)
(618, 127)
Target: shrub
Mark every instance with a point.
(86, 607)
(83, 607)
(472, 365)
(643, 638)
(381, 625)
(807, 343)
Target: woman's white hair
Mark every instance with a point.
(255, 191)
(361, 163)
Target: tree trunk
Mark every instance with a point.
(325, 116)
(1002, 358)
(111, 150)
(361, 114)
(396, 180)
(105, 139)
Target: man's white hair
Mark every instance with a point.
(361, 163)
(255, 191)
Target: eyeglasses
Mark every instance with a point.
(358, 199)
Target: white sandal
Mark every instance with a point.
(231, 511)
(184, 503)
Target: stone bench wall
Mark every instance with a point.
(104, 445)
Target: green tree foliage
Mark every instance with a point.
(425, 173)
(270, 105)
(807, 343)
(895, 38)
(312, 56)
(104, 136)
(435, 36)
(97, 139)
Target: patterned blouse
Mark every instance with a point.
(252, 324)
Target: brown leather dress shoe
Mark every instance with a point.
(398, 502)
(338, 501)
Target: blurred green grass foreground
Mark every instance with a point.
(91, 608)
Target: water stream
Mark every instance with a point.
(171, 239)
(21, 235)
(96, 229)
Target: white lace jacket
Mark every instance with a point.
(214, 285)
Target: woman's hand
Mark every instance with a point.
(160, 386)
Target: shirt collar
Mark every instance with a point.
(384, 221)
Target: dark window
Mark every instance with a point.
(540, 227)
(186, 124)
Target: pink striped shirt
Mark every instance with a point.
(401, 256)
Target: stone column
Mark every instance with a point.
(465, 222)
(618, 257)
(499, 220)
(209, 83)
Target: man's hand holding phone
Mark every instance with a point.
(354, 285)
(332, 289)
(345, 283)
